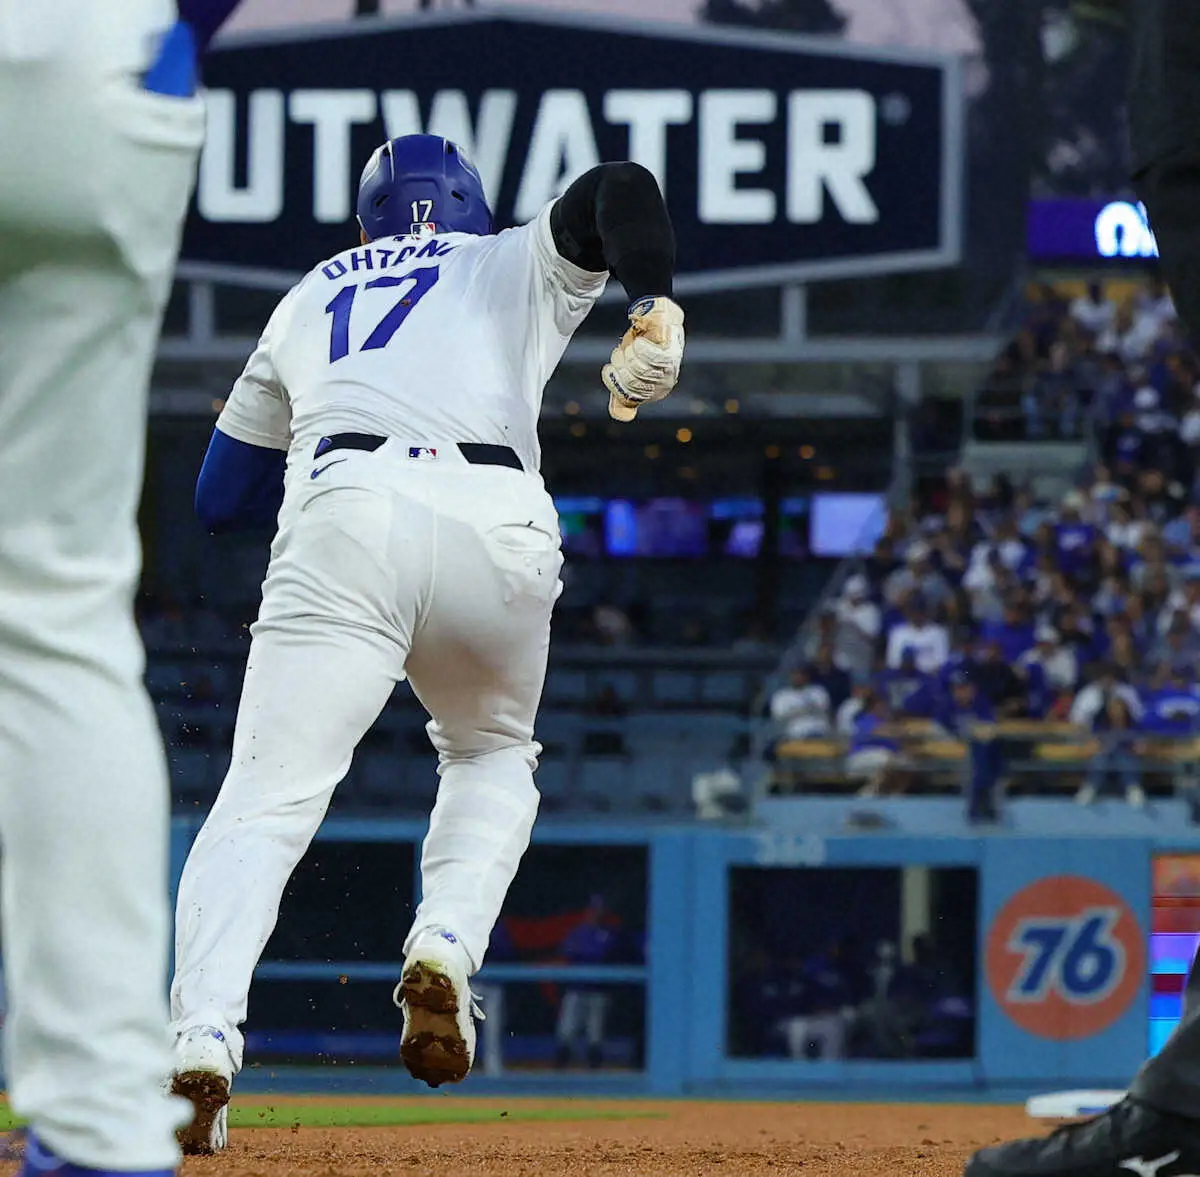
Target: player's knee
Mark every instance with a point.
(509, 761)
(474, 743)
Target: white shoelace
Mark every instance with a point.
(476, 1009)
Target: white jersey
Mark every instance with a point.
(106, 36)
(430, 341)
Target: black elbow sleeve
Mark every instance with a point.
(614, 218)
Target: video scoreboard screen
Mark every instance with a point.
(1174, 937)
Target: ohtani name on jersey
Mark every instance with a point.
(829, 146)
(377, 257)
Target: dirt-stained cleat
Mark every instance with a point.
(203, 1074)
(438, 1042)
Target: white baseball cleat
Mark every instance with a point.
(438, 1043)
(203, 1074)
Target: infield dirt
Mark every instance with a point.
(682, 1139)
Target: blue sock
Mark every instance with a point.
(39, 1161)
(174, 70)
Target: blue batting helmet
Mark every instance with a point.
(420, 180)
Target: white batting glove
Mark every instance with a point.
(645, 365)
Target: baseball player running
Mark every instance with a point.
(99, 131)
(403, 380)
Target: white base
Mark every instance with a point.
(1071, 1105)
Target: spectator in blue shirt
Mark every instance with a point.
(874, 755)
(997, 681)
(1171, 703)
(1037, 684)
(1016, 554)
(1179, 533)
(909, 692)
(584, 1008)
(1077, 629)
(1123, 446)
(1075, 540)
(967, 714)
(820, 1029)
(1179, 646)
(1013, 634)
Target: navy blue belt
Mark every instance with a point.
(476, 453)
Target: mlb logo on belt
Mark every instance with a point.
(1065, 957)
(422, 453)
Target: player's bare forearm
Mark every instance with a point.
(614, 218)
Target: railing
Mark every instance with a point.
(488, 985)
(1032, 755)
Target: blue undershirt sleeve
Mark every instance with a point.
(240, 485)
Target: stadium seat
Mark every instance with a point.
(165, 680)
(553, 779)
(567, 687)
(190, 773)
(941, 750)
(624, 683)
(1056, 752)
(658, 784)
(652, 734)
(809, 750)
(602, 783)
(557, 732)
(378, 776)
(673, 687)
(723, 688)
(420, 781)
(218, 675)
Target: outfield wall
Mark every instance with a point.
(1060, 991)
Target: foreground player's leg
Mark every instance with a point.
(84, 269)
(1155, 1130)
(478, 666)
(325, 656)
(1165, 108)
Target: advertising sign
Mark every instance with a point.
(782, 158)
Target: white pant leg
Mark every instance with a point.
(94, 181)
(570, 1010)
(827, 1031)
(797, 1033)
(327, 650)
(478, 662)
(596, 1017)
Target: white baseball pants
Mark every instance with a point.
(382, 567)
(583, 1010)
(94, 181)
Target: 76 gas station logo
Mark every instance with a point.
(1079, 959)
(1065, 957)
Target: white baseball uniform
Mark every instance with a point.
(409, 560)
(95, 175)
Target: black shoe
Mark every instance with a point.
(1131, 1139)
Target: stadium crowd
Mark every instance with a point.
(977, 607)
